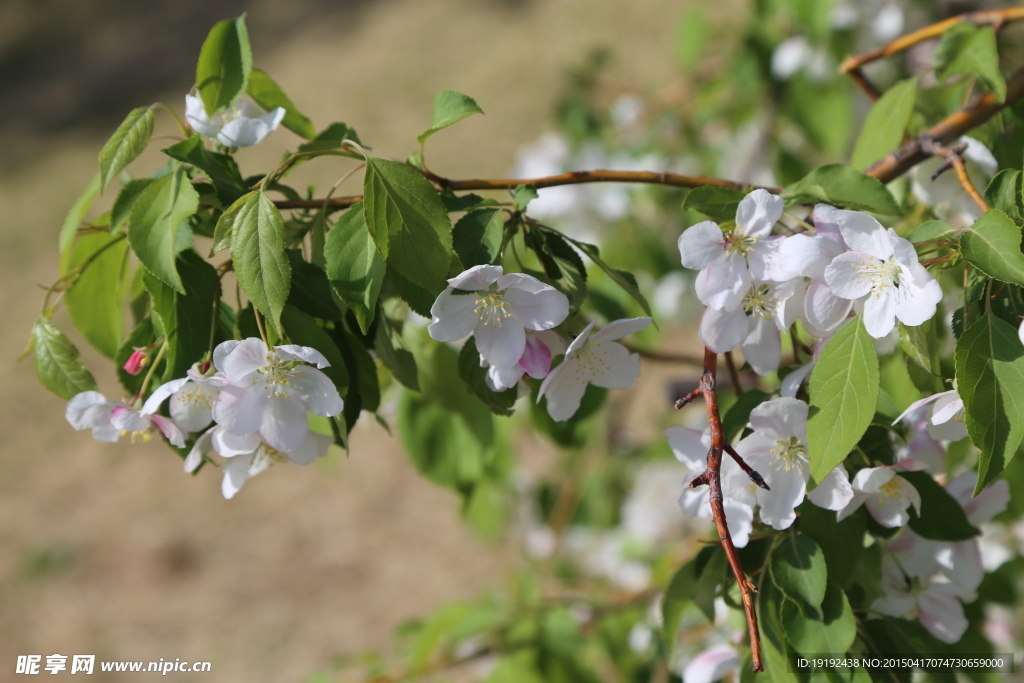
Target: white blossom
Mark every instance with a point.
(947, 419)
(243, 124)
(809, 256)
(110, 420)
(887, 495)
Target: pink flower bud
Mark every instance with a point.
(136, 362)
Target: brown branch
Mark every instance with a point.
(661, 357)
(954, 159)
(852, 66)
(712, 476)
(734, 375)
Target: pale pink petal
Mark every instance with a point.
(222, 351)
(723, 331)
(315, 446)
(537, 310)
(889, 510)
(453, 316)
(536, 359)
(917, 404)
(864, 233)
(701, 244)
(170, 430)
(318, 393)
(129, 420)
(758, 212)
(88, 409)
(947, 405)
(618, 329)
(941, 613)
(961, 564)
(237, 409)
(844, 276)
(766, 262)
(834, 492)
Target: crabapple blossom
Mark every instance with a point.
(883, 268)
(243, 124)
(497, 309)
(592, 358)
(754, 325)
(711, 665)
(535, 361)
(249, 455)
(887, 495)
(947, 419)
(267, 391)
(192, 399)
(936, 605)
(730, 261)
(809, 256)
(110, 420)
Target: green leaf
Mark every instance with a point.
(408, 223)
(303, 330)
(717, 203)
(156, 231)
(76, 214)
(225, 227)
(95, 301)
(950, 46)
(354, 265)
(979, 56)
(398, 360)
(1004, 193)
(57, 363)
(419, 299)
(477, 237)
(522, 195)
(464, 202)
(498, 402)
(798, 570)
(885, 124)
(224, 65)
(564, 264)
(450, 107)
(844, 391)
(931, 230)
(711, 576)
(257, 250)
(833, 632)
(992, 245)
(331, 138)
(738, 415)
(221, 169)
(919, 343)
(844, 187)
(127, 142)
(842, 543)
(942, 518)
(310, 291)
(268, 94)
(679, 592)
(623, 279)
(363, 385)
(990, 379)
(126, 200)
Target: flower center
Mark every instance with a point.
(492, 308)
(138, 437)
(881, 274)
(229, 114)
(196, 399)
(760, 302)
(789, 454)
(266, 452)
(276, 376)
(890, 489)
(737, 242)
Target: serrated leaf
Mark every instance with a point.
(621, 278)
(1004, 192)
(268, 94)
(798, 570)
(76, 214)
(844, 391)
(477, 237)
(257, 251)
(992, 245)
(979, 56)
(989, 362)
(224, 65)
(355, 267)
(398, 360)
(942, 517)
(303, 330)
(885, 124)
(225, 227)
(717, 203)
(127, 142)
(418, 299)
(331, 138)
(844, 187)
(450, 106)
(833, 632)
(498, 402)
(221, 169)
(842, 543)
(408, 223)
(95, 301)
(57, 363)
(464, 202)
(310, 291)
(155, 229)
(522, 195)
(126, 200)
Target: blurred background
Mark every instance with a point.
(112, 550)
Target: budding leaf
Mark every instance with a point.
(798, 570)
(127, 142)
(355, 267)
(523, 194)
(450, 106)
(95, 301)
(885, 124)
(844, 391)
(992, 245)
(225, 62)
(408, 223)
(842, 186)
(268, 94)
(257, 250)
(989, 362)
(156, 230)
(57, 362)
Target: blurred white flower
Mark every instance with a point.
(243, 124)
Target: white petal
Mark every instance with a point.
(246, 358)
(781, 418)
(199, 448)
(453, 316)
(613, 366)
(823, 309)
(695, 502)
(727, 280)
(834, 492)
(191, 407)
(787, 491)
(978, 153)
(688, 446)
(161, 393)
(580, 341)
(917, 404)
(170, 430)
(758, 212)
(222, 351)
(916, 305)
(86, 410)
(620, 328)
(229, 445)
(723, 331)
(500, 379)
(195, 114)
(864, 233)
(763, 347)
(237, 409)
(890, 507)
(880, 314)
(947, 405)
(791, 382)
(740, 519)
(129, 420)
(315, 446)
(319, 395)
(941, 613)
(711, 665)
(476, 278)
(701, 244)
(564, 389)
(825, 226)
(844, 276)
(308, 354)
(236, 471)
(537, 310)
(283, 425)
(961, 564)
(871, 479)
(805, 255)
(502, 346)
(767, 263)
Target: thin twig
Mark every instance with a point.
(954, 159)
(734, 376)
(662, 357)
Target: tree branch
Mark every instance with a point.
(954, 160)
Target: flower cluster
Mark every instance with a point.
(258, 398)
(511, 317)
(756, 285)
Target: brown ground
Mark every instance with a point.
(112, 550)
